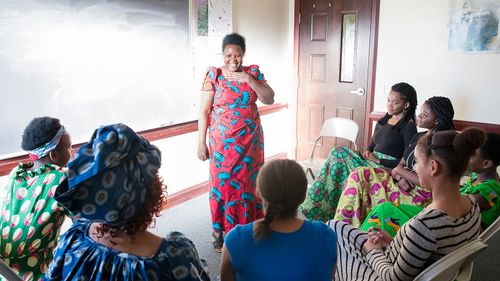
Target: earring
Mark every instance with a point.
(50, 157)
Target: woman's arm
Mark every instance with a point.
(400, 173)
(417, 245)
(227, 272)
(264, 92)
(207, 98)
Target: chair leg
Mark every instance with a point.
(309, 171)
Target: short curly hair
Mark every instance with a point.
(39, 131)
(154, 202)
(234, 39)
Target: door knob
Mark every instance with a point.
(359, 91)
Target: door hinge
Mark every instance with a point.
(300, 17)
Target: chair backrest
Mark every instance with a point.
(8, 273)
(448, 267)
(490, 231)
(340, 128)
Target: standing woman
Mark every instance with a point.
(229, 112)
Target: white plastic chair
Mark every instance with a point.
(8, 273)
(490, 231)
(450, 267)
(332, 127)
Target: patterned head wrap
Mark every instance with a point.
(109, 176)
(45, 149)
(442, 108)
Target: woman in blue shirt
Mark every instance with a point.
(281, 246)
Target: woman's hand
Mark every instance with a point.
(405, 185)
(373, 158)
(202, 151)
(238, 77)
(396, 172)
(366, 154)
(378, 239)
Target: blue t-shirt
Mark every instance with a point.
(306, 254)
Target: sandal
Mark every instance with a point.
(217, 241)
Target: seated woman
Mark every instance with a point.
(392, 135)
(450, 221)
(367, 187)
(115, 189)
(30, 216)
(274, 248)
(482, 184)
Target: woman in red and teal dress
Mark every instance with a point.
(229, 113)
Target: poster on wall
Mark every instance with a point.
(220, 22)
(474, 26)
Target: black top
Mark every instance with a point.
(409, 154)
(392, 142)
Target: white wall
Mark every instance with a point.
(413, 47)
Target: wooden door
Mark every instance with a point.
(334, 54)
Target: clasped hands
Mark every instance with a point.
(377, 239)
(403, 183)
(368, 155)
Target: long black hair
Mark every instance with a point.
(442, 109)
(407, 94)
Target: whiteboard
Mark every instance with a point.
(93, 62)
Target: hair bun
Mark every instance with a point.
(469, 140)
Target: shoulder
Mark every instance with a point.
(410, 126)
(179, 240)
(321, 228)
(239, 231)
(254, 70)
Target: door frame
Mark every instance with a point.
(372, 67)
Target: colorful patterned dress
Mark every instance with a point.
(30, 219)
(490, 190)
(324, 194)
(367, 187)
(78, 257)
(236, 144)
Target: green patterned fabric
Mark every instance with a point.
(323, 195)
(30, 219)
(490, 190)
(390, 217)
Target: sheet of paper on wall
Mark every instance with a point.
(220, 22)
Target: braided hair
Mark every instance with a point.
(282, 185)
(234, 39)
(407, 94)
(442, 109)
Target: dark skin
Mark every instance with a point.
(485, 170)
(407, 179)
(59, 156)
(395, 107)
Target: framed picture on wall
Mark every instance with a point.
(474, 26)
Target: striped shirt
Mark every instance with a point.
(421, 241)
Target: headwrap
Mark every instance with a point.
(109, 176)
(45, 149)
(442, 108)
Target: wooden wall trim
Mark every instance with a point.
(189, 193)
(7, 164)
(459, 124)
(372, 70)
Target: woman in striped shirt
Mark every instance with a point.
(450, 221)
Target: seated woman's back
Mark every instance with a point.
(280, 246)
(115, 190)
(175, 258)
(306, 254)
